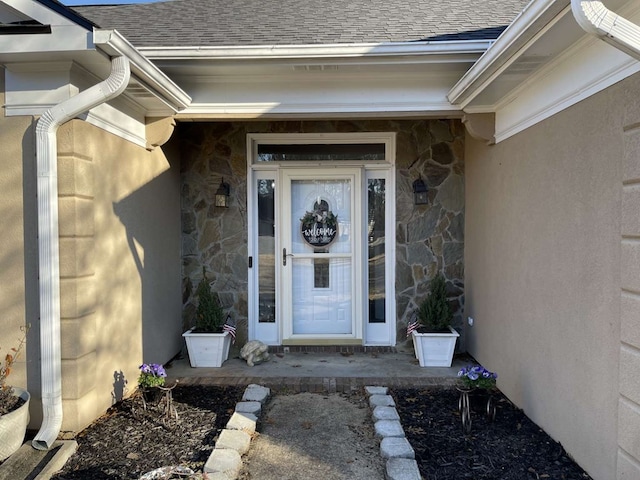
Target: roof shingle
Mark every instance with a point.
(189, 23)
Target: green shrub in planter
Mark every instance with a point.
(209, 314)
(434, 313)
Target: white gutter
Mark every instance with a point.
(114, 44)
(597, 20)
(48, 247)
(531, 22)
(346, 50)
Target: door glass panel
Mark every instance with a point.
(322, 263)
(266, 252)
(321, 273)
(376, 246)
(321, 152)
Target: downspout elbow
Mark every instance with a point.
(597, 20)
(48, 244)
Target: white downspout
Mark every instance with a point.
(596, 19)
(48, 248)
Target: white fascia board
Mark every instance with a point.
(61, 39)
(536, 18)
(313, 110)
(114, 44)
(400, 49)
(584, 70)
(405, 93)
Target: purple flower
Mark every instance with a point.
(477, 376)
(154, 369)
(151, 375)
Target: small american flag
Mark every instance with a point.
(229, 326)
(413, 325)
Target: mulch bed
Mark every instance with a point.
(510, 448)
(129, 441)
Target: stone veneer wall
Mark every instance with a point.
(430, 238)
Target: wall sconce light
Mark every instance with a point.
(222, 195)
(420, 192)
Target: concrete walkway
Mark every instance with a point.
(308, 435)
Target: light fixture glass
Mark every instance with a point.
(420, 192)
(222, 195)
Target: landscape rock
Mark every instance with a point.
(249, 407)
(242, 421)
(374, 390)
(235, 440)
(256, 393)
(381, 401)
(402, 469)
(224, 461)
(393, 447)
(389, 428)
(385, 413)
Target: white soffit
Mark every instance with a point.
(69, 35)
(46, 68)
(557, 67)
(396, 79)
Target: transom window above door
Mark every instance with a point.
(362, 147)
(321, 152)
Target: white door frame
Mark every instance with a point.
(367, 333)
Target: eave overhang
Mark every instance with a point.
(532, 23)
(319, 81)
(542, 63)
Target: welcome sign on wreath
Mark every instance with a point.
(319, 228)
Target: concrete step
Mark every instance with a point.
(31, 464)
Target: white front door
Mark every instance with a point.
(321, 269)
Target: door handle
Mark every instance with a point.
(284, 256)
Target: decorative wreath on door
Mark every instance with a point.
(319, 227)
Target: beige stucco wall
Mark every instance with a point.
(17, 262)
(543, 272)
(119, 265)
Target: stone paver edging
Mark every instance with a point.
(394, 447)
(225, 462)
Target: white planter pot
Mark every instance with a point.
(207, 349)
(435, 349)
(13, 426)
